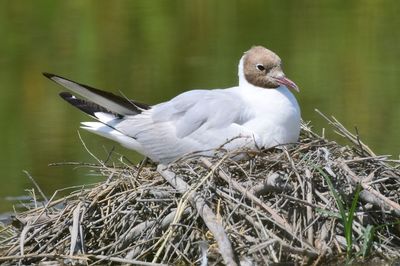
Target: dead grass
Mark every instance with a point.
(273, 207)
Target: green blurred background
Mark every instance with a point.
(344, 55)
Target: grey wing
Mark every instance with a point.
(193, 121)
(193, 110)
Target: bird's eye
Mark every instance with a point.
(260, 67)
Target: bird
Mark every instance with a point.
(260, 112)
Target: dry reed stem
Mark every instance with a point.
(273, 207)
(209, 218)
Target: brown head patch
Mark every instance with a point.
(259, 67)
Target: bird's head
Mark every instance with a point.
(263, 68)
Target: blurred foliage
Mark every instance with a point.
(344, 55)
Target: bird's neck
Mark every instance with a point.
(245, 87)
(242, 80)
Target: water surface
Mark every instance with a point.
(344, 55)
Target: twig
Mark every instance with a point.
(88, 151)
(128, 261)
(385, 202)
(209, 218)
(281, 222)
(36, 185)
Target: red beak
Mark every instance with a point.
(288, 83)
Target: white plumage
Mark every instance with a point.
(260, 112)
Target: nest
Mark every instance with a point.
(287, 204)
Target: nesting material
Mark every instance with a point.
(274, 206)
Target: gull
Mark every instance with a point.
(261, 112)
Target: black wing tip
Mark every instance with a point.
(53, 77)
(88, 107)
(65, 95)
(135, 107)
(48, 75)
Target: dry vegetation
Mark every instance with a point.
(275, 206)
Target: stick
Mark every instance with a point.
(36, 185)
(379, 198)
(100, 257)
(281, 222)
(209, 218)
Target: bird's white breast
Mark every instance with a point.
(275, 115)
